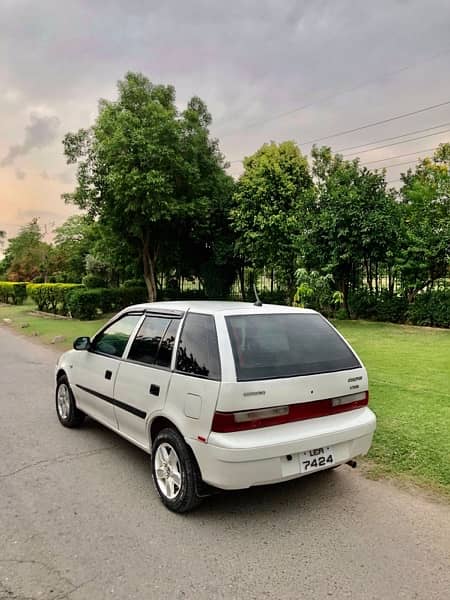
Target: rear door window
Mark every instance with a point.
(198, 352)
(286, 345)
(153, 344)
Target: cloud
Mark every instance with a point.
(66, 177)
(20, 174)
(41, 132)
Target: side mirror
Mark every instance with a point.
(82, 343)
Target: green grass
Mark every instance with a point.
(44, 329)
(409, 376)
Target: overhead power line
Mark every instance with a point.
(408, 162)
(336, 94)
(399, 156)
(381, 122)
(421, 137)
(395, 137)
(372, 124)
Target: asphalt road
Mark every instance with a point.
(79, 519)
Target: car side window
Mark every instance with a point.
(164, 357)
(113, 340)
(198, 352)
(146, 344)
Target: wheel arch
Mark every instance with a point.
(61, 373)
(158, 424)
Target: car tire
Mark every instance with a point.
(66, 409)
(176, 475)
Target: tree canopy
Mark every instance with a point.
(146, 170)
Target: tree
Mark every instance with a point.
(352, 220)
(73, 241)
(26, 255)
(146, 170)
(269, 200)
(425, 207)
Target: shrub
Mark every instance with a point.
(380, 307)
(136, 283)
(93, 281)
(86, 304)
(431, 308)
(51, 297)
(12, 293)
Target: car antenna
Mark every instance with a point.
(258, 301)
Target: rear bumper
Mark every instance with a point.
(244, 459)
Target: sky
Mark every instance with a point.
(267, 69)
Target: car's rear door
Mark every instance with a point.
(94, 372)
(144, 375)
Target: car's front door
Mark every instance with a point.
(144, 376)
(94, 371)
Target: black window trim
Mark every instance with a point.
(175, 370)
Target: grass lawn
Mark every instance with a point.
(46, 328)
(409, 378)
(409, 375)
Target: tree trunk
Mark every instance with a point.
(149, 271)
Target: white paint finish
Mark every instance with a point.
(289, 390)
(239, 459)
(133, 387)
(181, 386)
(193, 405)
(88, 369)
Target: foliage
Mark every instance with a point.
(93, 281)
(145, 169)
(381, 306)
(431, 308)
(133, 283)
(26, 255)
(426, 212)
(51, 297)
(352, 220)
(86, 304)
(267, 216)
(315, 291)
(73, 241)
(12, 293)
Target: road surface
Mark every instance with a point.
(79, 519)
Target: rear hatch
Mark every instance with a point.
(289, 367)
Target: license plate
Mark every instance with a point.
(319, 458)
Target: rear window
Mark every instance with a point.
(286, 345)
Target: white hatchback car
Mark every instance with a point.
(221, 394)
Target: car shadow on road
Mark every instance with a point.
(320, 490)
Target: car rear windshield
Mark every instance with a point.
(286, 345)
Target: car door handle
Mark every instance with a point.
(108, 374)
(154, 390)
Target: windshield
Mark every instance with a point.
(286, 345)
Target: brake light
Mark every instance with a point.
(227, 422)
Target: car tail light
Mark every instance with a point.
(227, 422)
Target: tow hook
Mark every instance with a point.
(353, 464)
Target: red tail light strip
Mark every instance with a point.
(225, 422)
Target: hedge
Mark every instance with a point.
(87, 304)
(431, 308)
(12, 293)
(51, 297)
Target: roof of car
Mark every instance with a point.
(216, 306)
